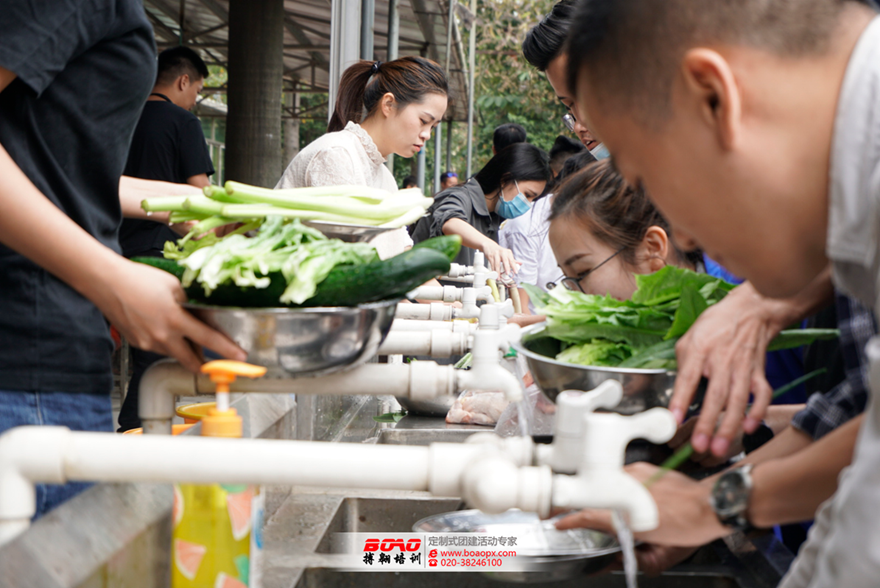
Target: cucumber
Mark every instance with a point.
(449, 245)
(169, 265)
(346, 285)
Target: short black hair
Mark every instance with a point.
(546, 40)
(508, 134)
(563, 148)
(631, 49)
(448, 174)
(410, 181)
(179, 61)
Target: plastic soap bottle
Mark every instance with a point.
(216, 536)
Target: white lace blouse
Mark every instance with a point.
(346, 157)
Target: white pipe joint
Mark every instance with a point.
(427, 380)
(456, 270)
(495, 484)
(444, 293)
(160, 385)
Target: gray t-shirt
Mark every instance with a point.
(844, 544)
(466, 202)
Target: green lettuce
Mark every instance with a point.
(303, 255)
(640, 332)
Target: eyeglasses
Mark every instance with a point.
(574, 284)
(569, 120)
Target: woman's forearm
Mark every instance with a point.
(470, 237)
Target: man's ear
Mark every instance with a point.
(709, 80)
(183, 82)
(387, 104)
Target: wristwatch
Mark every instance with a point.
(730, 497)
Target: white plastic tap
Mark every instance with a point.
(566, 452)
(594, 445)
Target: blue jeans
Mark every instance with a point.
(76, 411)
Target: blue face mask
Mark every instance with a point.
(600, 152)
(514, 208)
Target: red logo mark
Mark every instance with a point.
(390, 544)
(433, 553)
(432, 563)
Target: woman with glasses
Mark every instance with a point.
(603, 233)
(503, 189)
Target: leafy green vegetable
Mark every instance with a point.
(303, 255)
(601, 352)
(390, 417)
(640, 332)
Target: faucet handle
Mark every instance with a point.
(572, 405)
(506, 308)
(607, 435)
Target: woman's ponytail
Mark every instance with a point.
(363, 84)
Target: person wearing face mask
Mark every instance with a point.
(382, 108)
(503, 189)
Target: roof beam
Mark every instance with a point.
(301, 36)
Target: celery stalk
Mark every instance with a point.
(337, 205)
(264, 210)
(202, 205)
(164, 204)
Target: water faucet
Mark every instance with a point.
(593, 446)
(490, 342)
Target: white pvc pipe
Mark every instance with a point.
(167, 379)
(55, 455)
(431, 312)
(435, 343)
(401, 325)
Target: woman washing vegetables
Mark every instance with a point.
(503, 189)
(602, 233)
(382, 108)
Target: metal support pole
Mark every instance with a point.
(449, 145)
(345, 35)
(438, 156)
(449, 25)
(368, 21)
(420, 170)
(472, 62)
(393, 49)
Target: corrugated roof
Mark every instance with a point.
(307, 38)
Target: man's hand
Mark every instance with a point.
(727, 345)
(686, 518)
(707, 459)
(144, 305)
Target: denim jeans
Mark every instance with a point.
(76, 411)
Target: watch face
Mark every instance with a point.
(731, 493)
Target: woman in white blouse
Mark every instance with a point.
(382, 108)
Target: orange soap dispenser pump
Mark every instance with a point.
(217, 528)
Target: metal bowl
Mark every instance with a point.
(438, 407)
(642, 388)
(303, 341)
(543, 553)
(346, 232)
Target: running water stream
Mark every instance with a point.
(522, 416)
(627, 546)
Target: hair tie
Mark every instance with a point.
(375, 69)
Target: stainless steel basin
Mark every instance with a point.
(712, 567)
